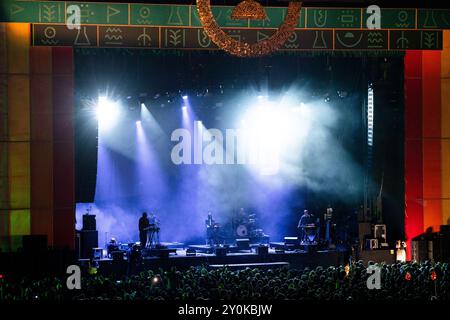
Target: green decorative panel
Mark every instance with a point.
(333, 18)
(166, 15)
(433, 19)
(275, 17)
(222, 15)
(396, 18)
(26, 11)
(159, 15)
(103, 13)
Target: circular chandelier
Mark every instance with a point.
(244, 9)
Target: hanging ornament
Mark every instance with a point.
(244, 49)
(249, 9)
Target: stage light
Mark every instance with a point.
(262, 97)
(370, 116)
(138, 123)
(142, 105)
(269, 130)
(184, 108)
(107, 112)
(185, 97)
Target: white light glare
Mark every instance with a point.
(107, 112)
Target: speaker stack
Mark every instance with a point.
(88, 236)
(432, 246)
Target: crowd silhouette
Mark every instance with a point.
(400, 281)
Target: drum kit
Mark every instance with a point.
(247, 228)
(242, 226)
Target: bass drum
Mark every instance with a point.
(241, 230)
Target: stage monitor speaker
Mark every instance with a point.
(262, 251)
(34, 243)
(88, 240)
(243, 244)
(221, 252)
(191, 252)
(290, 242)
(89, 223)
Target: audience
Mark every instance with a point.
(401, 281)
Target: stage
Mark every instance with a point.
(297, 259)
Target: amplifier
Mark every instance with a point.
(88, 240)
(89, 222)
(243, 244)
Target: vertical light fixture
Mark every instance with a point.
(370, 109)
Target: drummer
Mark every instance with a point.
(305, 219)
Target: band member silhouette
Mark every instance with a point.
(143, 225)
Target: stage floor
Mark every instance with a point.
(234, 260)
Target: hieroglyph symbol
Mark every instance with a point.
(86, 13)
(319, 40)
(144, 15)
(47, 12)
(402, 42)
(175, 17)
(350, 40)
(15, 9)
(320, 18)
(144, 39)
(430, 20)
(403, 19)
(113, 36)
(347, 18)
(375, 40)
(111, 12)
(49, 36)
(175, 37)
(428, 39)
(82, 38)
(292, 43)
(202, 38)
(260, 36)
